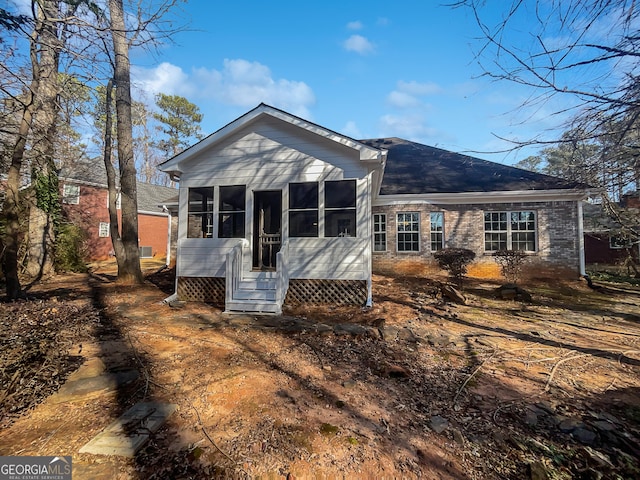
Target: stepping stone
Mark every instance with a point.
(85, 388)
(127, 435)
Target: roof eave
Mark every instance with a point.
(484, 197)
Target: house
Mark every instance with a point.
(604, 242)
(432, 198)
(273, 208)
(85, 197)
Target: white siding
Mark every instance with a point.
(270, 154)
(328, 258)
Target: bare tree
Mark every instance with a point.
(45, 203)
(128, 257)
(582, 58)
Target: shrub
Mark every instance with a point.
(455, 261)
(511, 263)
(69, 257)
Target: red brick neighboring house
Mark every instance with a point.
(84, 194)
(602, 242)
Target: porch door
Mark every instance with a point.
(267, 228)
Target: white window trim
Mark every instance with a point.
(509, 232)
(418, 232)
(67, 197)
(106, 226)
(431, 231)
(381, 232)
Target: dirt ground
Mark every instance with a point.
(414, 387)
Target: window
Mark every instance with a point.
(71, 194)
(200, 218)
(118, 200)
(437, 231)
(379, 232)
(408, 232)
(232, 209)
(510, 231)
(303, 209)
(340, 208)
(617, 242)
(103, 229)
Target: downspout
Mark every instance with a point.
(166, 210)
(583, 270)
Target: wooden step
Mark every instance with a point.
(252, 306)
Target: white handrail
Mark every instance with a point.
(233, 270)
(282, 271)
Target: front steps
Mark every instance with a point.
(255, 293)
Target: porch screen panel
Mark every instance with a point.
(340, 208)
(200, 217)
(303, 209)
(232, 211)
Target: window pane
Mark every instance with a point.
(231, 225)
(200, 213)
(340, 194)
(303, 195)
(303, 223)
(437, 230)
(200, 199)
(379, 232)
(232, 198)
(340, 223)
(524, 241)
(408, 226)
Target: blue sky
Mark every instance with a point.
(365, 69)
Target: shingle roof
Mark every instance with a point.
(413, 168)
(150, 197)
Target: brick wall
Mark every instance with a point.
(557, 252)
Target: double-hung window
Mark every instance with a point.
(379, 232)
(510, 231)
(103, 229)
(408, 225)
(200, 213)
(437, 230)
(71, 194)
(232, 210)
(303, 209)
(340, 208)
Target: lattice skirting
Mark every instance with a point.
(334, 292)
(201, 289)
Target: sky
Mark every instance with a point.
(366, 69)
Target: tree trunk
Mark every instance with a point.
(44, 179)
(129, 263)
(114, 231)
(12, 197)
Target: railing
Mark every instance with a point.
(233, 270)
(282, 270)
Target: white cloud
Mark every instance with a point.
(383, 21)
(165, 78)
(358, 44)
(419, 89)
(239, 83)
(402, 100)
(355, 25)
(351, 130)
(411, 127)
(407, 94)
